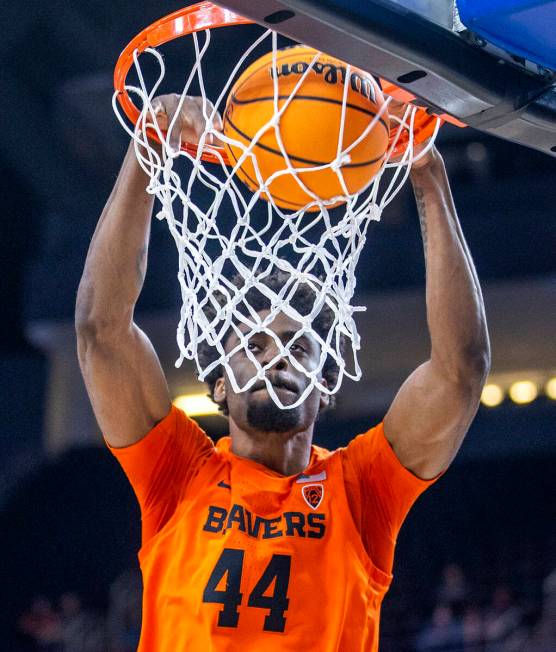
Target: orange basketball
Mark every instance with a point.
(309, 127)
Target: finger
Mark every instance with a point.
(216, 124)
(162, 111)
(395, 107)
(213, 115)
(164, 108)
(200, 112)
(176, 127)
(161, 120)
(157, 115)
(198, 125)
(174, 137)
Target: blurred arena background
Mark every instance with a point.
(476, 562)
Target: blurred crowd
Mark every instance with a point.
(505, 623)
(458, 623)
(67, 626)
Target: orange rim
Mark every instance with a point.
(194, 18)
(424, 122)
(205, 15)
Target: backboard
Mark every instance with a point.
(489, 63)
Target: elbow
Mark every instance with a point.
(467, 369)
(87, 322)
(96, 318)
(86, 328)
(82, 317)
(483, 358)
(481, 370)
(476, 365)
(486, 363)
(84, 304)
(94, 324)
(100, 329)
(478, 361)
(475, 359)
(474, 372)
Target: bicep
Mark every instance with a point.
(125, 383)
(429, 418)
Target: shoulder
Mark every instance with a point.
(371, 458)
(175, 434)
(365, 447)
(320, 454)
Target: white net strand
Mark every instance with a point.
(220, 229)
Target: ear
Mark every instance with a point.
(324, 398)
(219, 393)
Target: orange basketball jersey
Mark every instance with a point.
(238, 557)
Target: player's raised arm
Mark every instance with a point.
(435, 406)
(122, 372)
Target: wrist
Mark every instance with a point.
(427, 162)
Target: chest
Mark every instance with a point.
(250, 550)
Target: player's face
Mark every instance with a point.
(254, 410)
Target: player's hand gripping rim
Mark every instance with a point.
(184, 120)
(423, 153)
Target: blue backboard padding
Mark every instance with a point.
(526, 28)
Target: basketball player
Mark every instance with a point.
(265, 541)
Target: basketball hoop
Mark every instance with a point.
(314, 246)
(206, 15)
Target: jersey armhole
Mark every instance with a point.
(146, 547)
(381, 578)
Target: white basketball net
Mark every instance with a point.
(320, 249)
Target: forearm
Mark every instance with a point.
(116, 262)
(455, 309)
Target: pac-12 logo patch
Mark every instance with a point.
(313, 494)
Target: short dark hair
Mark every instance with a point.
(302, 300)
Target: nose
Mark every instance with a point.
(281, 364)
(270, 352)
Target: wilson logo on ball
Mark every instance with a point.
(328, 140)
(331, 73)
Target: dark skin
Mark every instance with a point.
(287, 452)
(428, 418)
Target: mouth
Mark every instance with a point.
(278, 387)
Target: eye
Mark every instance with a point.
(252, 346)
(297, 347)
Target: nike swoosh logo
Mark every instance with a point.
(223, 485)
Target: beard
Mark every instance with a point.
(266, 416)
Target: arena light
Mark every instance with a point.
(476, 152)
(196, 405)
(492, 395)
(550, 388)
(523, 391)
